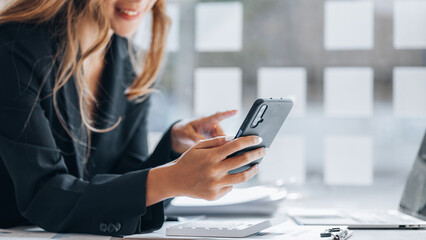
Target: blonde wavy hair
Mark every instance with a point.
(68, 15)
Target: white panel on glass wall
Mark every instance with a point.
(153, 139)
(409, 91)
(348, 92)
(284, 82)
(217, 89)
(348, 160)
(409, 24)
(219, 26)
(173, 35)
(285, 160)
(349, 25)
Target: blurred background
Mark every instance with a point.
(355, 67)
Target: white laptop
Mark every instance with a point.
(411, 213)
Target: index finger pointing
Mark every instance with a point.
(215, 118)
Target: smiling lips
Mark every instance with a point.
(127, 14)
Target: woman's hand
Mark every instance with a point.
(202, 171)
(186, 133)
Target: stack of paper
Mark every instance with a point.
(259, 200)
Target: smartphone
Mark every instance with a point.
(264, 119)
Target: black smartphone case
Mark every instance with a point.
(274, 116)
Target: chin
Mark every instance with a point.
(124, 30)
(123, 33)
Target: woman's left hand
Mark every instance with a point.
(185, 134)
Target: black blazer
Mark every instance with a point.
(42, 179)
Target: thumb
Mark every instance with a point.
(217, 131)
(213, 142)
(195, 136)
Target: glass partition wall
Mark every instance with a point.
(355, 67)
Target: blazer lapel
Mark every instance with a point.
(111, 100)
(75, 153)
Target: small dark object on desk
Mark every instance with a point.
(335, 233)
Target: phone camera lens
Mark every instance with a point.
(259, 116)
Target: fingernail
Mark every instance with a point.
(259, 139)
(229, 138)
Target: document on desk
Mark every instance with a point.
(261, 200)
(281, 232)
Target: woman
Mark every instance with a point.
(73, 110)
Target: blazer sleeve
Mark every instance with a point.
(46, 194)
(136, 157)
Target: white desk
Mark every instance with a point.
(383, 194)
(290, 225)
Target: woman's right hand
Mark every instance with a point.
(202, 171)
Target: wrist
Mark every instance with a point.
(160, 185)
(175, 143)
